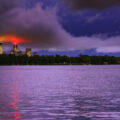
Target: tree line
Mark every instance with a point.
(58, 60)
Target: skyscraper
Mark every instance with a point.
(28, 52)
(1, 50)
(15, 48)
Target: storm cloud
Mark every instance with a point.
(37, 26)
(41, 29)
(91, 4)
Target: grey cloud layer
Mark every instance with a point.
(86, 4)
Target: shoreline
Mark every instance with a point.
(63, 65)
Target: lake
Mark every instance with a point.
(60, 92)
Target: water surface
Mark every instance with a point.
(60, 93)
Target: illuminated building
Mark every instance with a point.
(28, 52)
(15, 48)
(1, 51)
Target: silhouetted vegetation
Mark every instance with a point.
(58, 60)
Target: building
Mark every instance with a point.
(1, 50)
(35, 54)
(22, 53)
(15, 48)
(11, 52)
(4, 53)
(28, 52)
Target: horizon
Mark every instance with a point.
(7, 47)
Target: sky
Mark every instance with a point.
(62, 26)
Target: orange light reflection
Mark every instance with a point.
(15, 98)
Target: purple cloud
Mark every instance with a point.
(111, 49)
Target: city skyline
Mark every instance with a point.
(15, 51)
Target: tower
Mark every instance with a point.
(15, 48)
(28, 52)
(1, 50)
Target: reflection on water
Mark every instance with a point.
(15, 101)
(14, 94)
(60, 93)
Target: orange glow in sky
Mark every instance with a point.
(12, 39)
(16, 40)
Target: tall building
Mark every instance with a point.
(15, 48)
(1, 50)
(28, 52)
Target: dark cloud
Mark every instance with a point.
(37, 26)
(91, 4)
(6, 5)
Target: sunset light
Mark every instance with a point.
(12, 39)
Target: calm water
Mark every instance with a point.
(60, 93)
